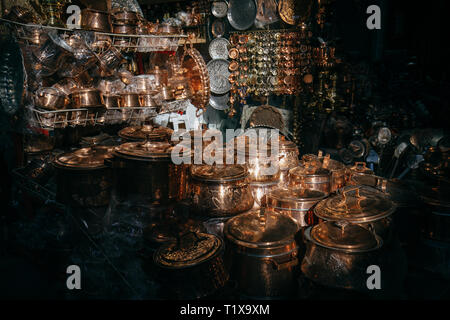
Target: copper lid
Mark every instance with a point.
(261, 228)
(146, 131)
(219, 173)
(85, 158)
(147, 149)
(357, 205)
(190, 250)
(289, 198)
(302, 171)
(287, 145)
(348, 237)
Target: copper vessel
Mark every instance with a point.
(128, 100)
(50, 98)
(82, 178)
(111, 101)
(262, 254)
(96, 20)
(87, 98)
(296, 203)
(312, 178)
(220, 190)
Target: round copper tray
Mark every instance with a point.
(196, 71)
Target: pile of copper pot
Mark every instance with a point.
(306, 225)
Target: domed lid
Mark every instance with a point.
(261, 228)
(355, 204)
(218, 173)
(146, 132)
(306, 170)
(346, 237)
(189, 250)
(147, 149)
(85, 158)
(286, 196)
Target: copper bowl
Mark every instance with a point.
(96, 20)
(87, 98)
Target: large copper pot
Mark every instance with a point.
(262, 254)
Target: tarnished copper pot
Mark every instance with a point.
(86, 98)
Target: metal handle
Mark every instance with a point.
(283, 265)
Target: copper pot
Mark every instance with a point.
(262, 254)
(312, 178)
(124, 29)
(123, 16)
(296, 203)
(82, 178)
(220, 191)
(129, 100)
(87, 98)
(167, 94)
(146, 100)
(20, 14)
(96, 20)
(145, 82)
(110, 60)
(50, 98)
(111, 101)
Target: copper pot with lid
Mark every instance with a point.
(144, 172)
(220, 190)
(296, 203)
(359, 168)
(262, 254)
(360, 205)
(141, 133)
(313, 178)
(338, 255)
(192, 267)
(337, 169)
(82, 178)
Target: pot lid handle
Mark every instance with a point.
(262, 216)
